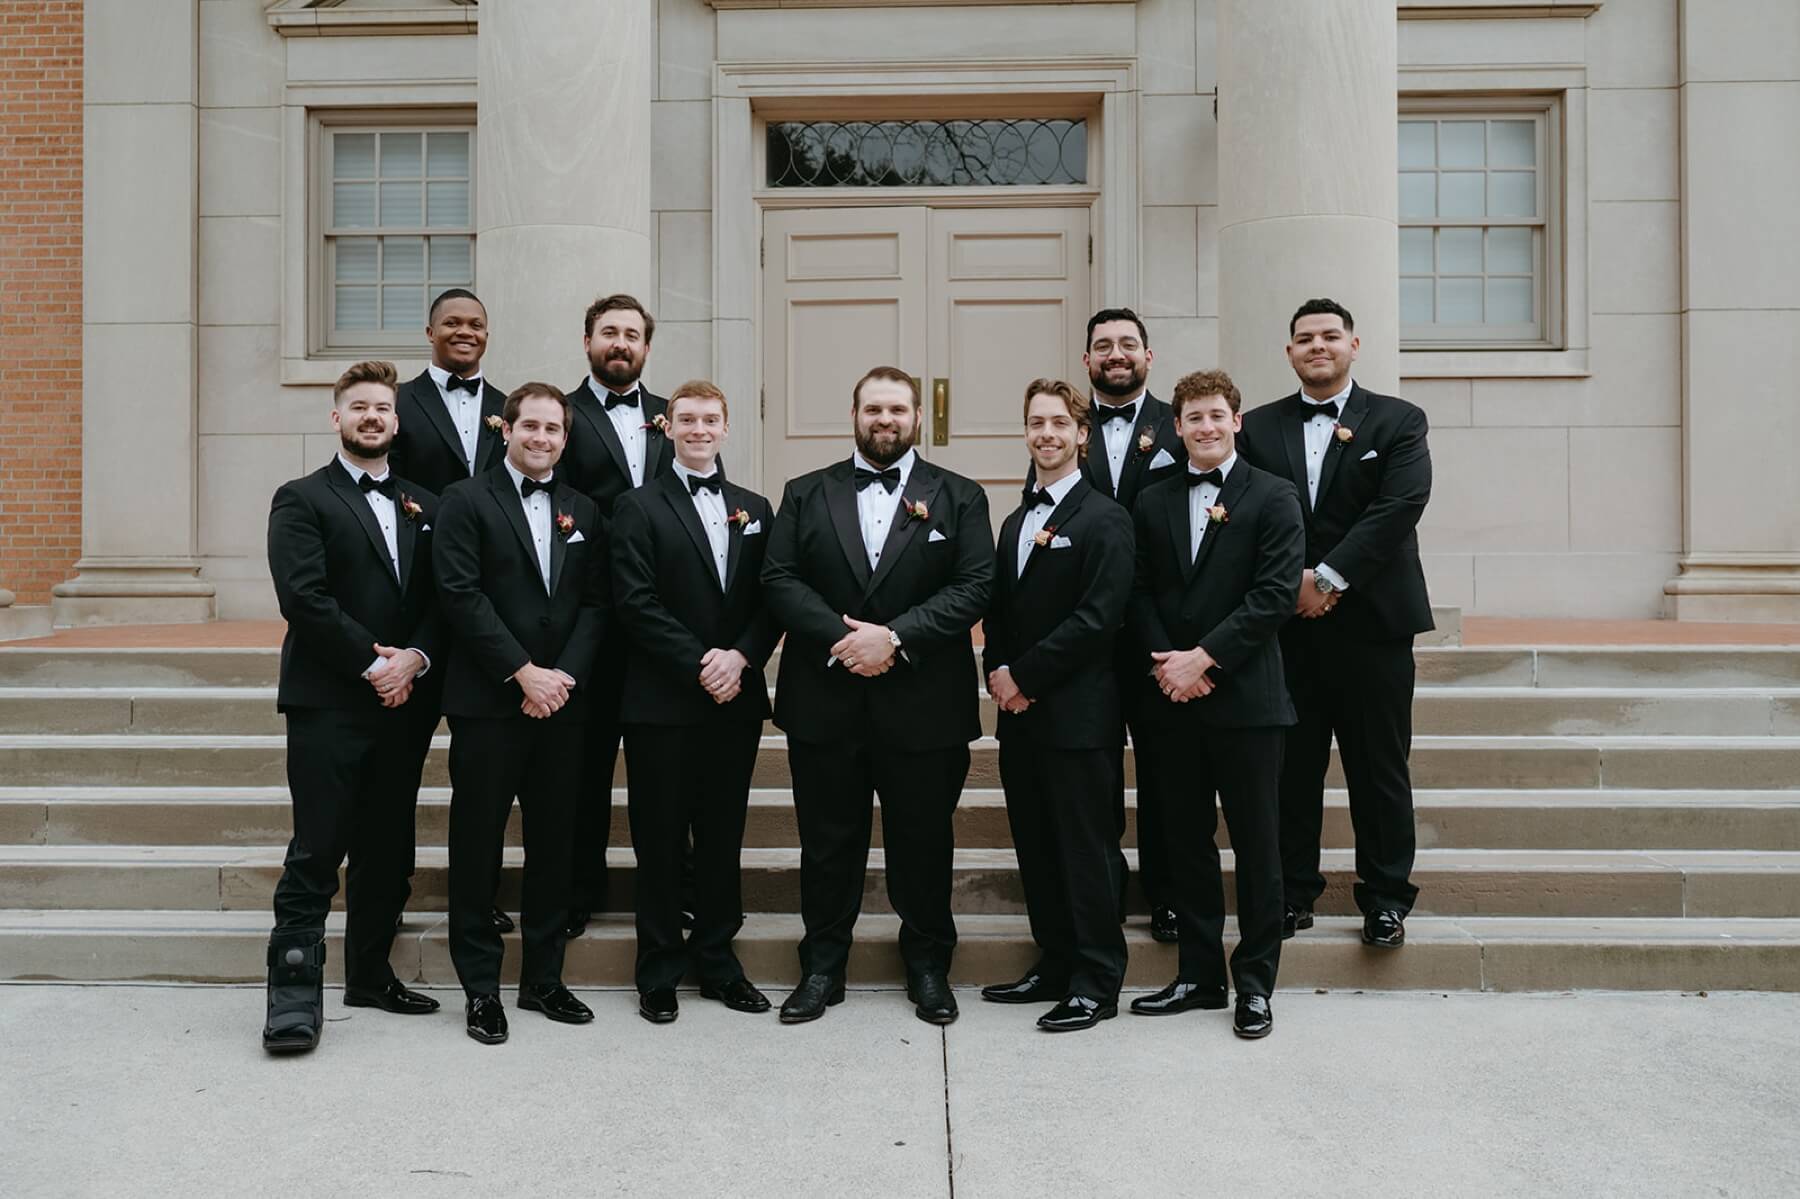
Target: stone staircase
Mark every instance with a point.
(1599, 817)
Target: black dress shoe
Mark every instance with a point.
(932, 1000)
(1180, 997)
(1293, 920)
(1077, 1012)
(738, 995)
(1033, 988)
(502, 922)
(391, 998)
(576, 924)
(555, 1001)
(815, 993)
(659, 1006)
(1384, 929)
(1163, 926)
(486, 1019)
(1253, 1018)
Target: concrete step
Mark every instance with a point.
(1451, 881)
(1458, 819)
(1441, 954)
(1754, 763)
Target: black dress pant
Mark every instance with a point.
(689, 778)
(1057, 803)
(834, 788)
(1361, 691)
(1242, 768)
(354, 781)
(593, 800)
(492, 761)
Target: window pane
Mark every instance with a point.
(353, 155)
(450, 261)
(1509, 251)
(1418, 196)
(1459, 302)
(403, 308)
(400, 155)
(1460, 194)
(1460, 144)
(1509, 301)
(449, 204)
(355, 308)
(353, 205)
(403, 260)
(1001, 152)
(447, 154)
(1415, 301)
(1512, 193)
(1418, 144)
(400, 205)
(356, 260)
(1459, 251)
(1415, 252)
(1512, 143)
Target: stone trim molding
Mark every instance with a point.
(325, 18)
(1407, 10)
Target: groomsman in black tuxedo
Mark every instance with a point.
(1363, 470)
(1062, 582)
(878, 568)
(687, 556)
(350, 556)
(521, 567)
(1218, 567)
(618, 440)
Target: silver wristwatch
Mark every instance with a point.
(893, 639)
(1323, 585)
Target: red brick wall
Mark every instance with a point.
(40, 294)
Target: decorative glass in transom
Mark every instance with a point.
(994, 152)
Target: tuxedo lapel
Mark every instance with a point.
(1058, 523)
(1181, 531)
(425, 390)
(562, 501)
(487, 438)
(658, 449)
(500, 484)
(1098, 467)
(921, 488)
(681, 502)
(1293, 444)
(734, 533)
(840, 502)
(406, 535)
(1136, 460)
(594, 409)
(353, 498)
(1236, 484)
(1355, 408)
(1007, 552)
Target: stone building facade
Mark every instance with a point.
(1567, 228)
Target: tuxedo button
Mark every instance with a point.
(543, 622)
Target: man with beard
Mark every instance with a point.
(1361, 465)
(1062, 581)
(878, 568)
(618, 440)
(350, 557)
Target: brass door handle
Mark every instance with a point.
(940, 412)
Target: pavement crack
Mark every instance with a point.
(949, 1133)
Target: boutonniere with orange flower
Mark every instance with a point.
(565, 524)
(659, 422)
(1043, 535)
(496, 424)
(409, 507)
(740, 518)
(1341, 432)
(1146, 443)
(1216, 515)
(915, 508)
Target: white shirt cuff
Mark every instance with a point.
(1331, 576)
(423, 657)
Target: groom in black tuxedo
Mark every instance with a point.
(1218, 566)
(1062, 580)
(350, 557)
(687, 555)
(1361, 465)
(521, 566)
(878, 568)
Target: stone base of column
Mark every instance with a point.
(133, 591)
(28, 620)
(1736, 588)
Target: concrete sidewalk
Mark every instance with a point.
(147, 1090)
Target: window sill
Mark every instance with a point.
(1494, 364)
(324, 371)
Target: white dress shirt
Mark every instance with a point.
(537, 517)
(1199, 500)
(386, 515)
(876, 508)
(1117, 435)
(1319, 431)
(628, 423)
(464, 410)
(1038, 515)
(711, 507)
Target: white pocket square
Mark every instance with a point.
(424, 528)
(1161, 460)
(576, 538)
(1367, 456)
(1060, 543)
(753, 528)
(936, 536)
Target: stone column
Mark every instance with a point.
(1740, 320)
(1307, 182)
(564, 162)
(140, 183)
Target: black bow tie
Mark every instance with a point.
(1329, 408)
(614, 399)
(385, 486)
(712, 483)
(1040, 496)
(472, 386)
(1214, 476)
(889, 478)
(1106, 412)
(528, 487)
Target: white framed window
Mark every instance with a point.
(1481, 196)
(395, 224)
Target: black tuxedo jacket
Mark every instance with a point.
(427, 447)
(1155, 420)
(338, 591)
(1372, 491)
(670, 609)
(933, 584)
(493, 599)
(1054, 626)
(1231, 599)
(594, 460)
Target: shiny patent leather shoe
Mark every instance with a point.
(502, 922)
(1253, 1018)
(1293, 920)
(815, 993)
(577, 923)
(555, 1001)
(1033, 988)
(659, 1006)
(1075, 1013)
(391, 998)
(486, 1019)
(1384, 929)
(738, 995)
(1163, 926)
(1180, 997)
(932, 1000)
